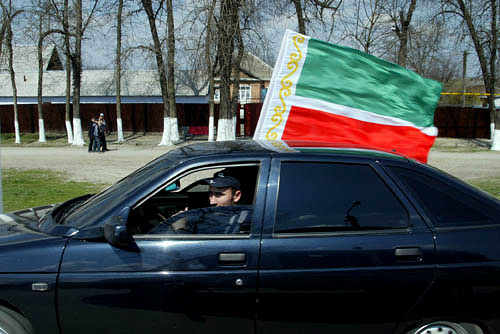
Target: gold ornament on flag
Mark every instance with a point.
(286, 86)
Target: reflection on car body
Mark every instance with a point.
(346, 240)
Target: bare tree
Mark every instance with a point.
(480, 18)
(9, 13)
(300, 16)
(118, 70)
(76, 65)
(174, 127)
(210, 62)
(227, 29)
(41, 125)
(42, 11)
(322, 11)
(366, 26)
(428, 55)
(67, 52)
(236, 75)
(75, 55)
(401, 13)
(170, 126)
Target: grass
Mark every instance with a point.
(31, 139)
(55, 139)
(29, 188)
(491, 186)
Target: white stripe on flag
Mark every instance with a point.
(358, 114)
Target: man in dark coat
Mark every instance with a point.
(102, 133)
(91, 134)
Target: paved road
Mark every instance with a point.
(123, 159)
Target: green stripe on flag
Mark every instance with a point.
(352, 78)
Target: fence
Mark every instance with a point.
(452, 121)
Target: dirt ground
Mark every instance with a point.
(465, 159)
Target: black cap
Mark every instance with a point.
(221, 180)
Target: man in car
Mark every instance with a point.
(224, 216)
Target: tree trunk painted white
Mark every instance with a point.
(69, 132)
(77, 127)
(41, 131)
(225, 130)
(16, 129)
(211, 128)
(119, 129)
(495, 145)
(174, 130)
(492, 130)
(234, 127)
(165, 138)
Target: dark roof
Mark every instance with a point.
(295, 147)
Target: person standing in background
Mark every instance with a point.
(102, 133)
(91, 134)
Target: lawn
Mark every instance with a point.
(29, 188)
(491, 186)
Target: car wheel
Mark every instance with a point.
(13, 323)
(443, 327)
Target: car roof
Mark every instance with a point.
(275, 147)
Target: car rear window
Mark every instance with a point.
(447, 204)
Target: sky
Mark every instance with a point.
(99, 46)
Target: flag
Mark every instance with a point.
(321, 92)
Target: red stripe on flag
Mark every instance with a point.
(305, 124)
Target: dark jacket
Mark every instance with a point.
(211, 220)
(91, 129)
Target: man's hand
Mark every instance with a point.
(163, 219)
(185, 209)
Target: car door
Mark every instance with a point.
(466, 224)
(172, 283)
(342, 250)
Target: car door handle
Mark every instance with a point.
(408, 254)
(232, 258)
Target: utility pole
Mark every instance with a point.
(464, 72)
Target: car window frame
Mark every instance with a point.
(414, 220)
(262, 161)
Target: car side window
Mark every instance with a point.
(446, 205)
(183, 206)
(329, 197)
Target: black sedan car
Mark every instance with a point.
(320, 240)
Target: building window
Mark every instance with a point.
(245, 93)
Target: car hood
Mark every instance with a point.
(23, 248)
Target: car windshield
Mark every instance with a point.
(91, 211)
(97, 206)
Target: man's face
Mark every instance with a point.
(223, 196)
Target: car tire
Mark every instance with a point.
(13, 323)
(441, 327)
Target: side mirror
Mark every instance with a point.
(115, 232)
